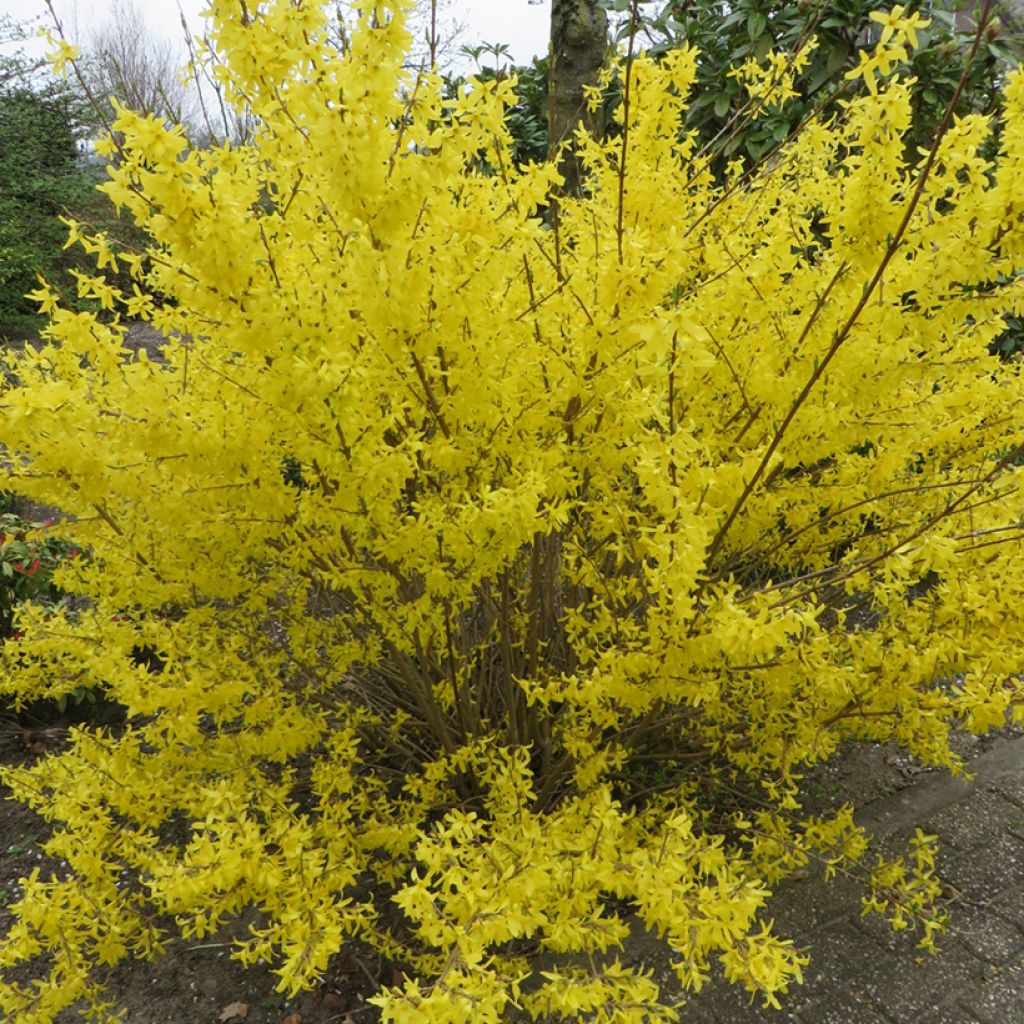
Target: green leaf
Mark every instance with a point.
(758, 147)
(837, 57)
(721, 104)
(756, 24)
(818, 78)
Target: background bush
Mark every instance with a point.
(39, 181)
(48, 173)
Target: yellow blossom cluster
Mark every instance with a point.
(772, 81)
(481, 542)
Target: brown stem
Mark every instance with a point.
(844, 333)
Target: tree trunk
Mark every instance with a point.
(579, 42)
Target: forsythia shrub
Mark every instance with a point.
(606, 514)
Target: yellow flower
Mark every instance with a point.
(894, 23)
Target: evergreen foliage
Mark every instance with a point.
(39, 181)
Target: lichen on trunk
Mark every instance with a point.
(579, 43)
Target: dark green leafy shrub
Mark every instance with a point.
(39, 181)
(728, 34)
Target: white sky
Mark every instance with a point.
(521, 24)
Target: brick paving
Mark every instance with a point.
(863, 973)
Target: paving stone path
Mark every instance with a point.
(863, 973)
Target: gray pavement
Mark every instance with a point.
(863, 973)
